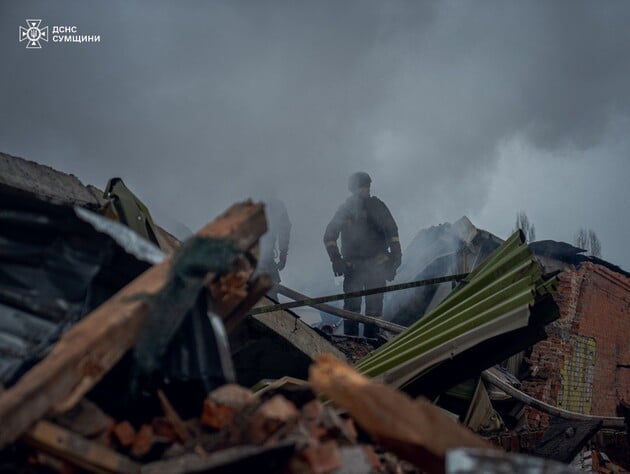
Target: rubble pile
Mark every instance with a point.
(353, 349)
(291, 428)
(123, 350)
(287, 430)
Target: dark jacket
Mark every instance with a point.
(366, 227)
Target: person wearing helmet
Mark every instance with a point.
(370, 249)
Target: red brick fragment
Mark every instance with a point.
(163, 428)
(221, 405)
(312, 411)
(143, 442)
(125, 433)
(311, 418)
(272, 415)
(216, 416)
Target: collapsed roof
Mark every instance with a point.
(501, 307)
(504, 299)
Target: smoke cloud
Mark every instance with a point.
(454, 108)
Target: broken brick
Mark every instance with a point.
(143, 442)
(272, 415)
(312, 411)
(221, 405)
(163, 428)
(125, 433)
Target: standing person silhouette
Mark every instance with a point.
(370, 249)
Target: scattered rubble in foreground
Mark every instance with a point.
(121, 349)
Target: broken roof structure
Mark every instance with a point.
(459, 247)
(56, 266)
(445, 249)
(503, 295)
(118, 344)
(579, 360)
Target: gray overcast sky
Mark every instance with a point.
(455, 108)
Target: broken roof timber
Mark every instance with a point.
(80, 451)
(415, 430)
(558, 255)
(497, 298)
(90, 348)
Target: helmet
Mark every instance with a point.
(358, 180)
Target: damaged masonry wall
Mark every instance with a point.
(584, 365)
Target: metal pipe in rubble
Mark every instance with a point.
(318, 303)
(355, 294)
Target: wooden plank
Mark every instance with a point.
(95, 344)
(77, 450)
(85, 419)
(257, 289)
(413, 429)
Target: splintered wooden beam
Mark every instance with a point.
(258, 287)
(94, 345)
(415, 430)
(77, 450)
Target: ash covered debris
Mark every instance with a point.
(121, 349)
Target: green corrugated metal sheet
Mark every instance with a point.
(494, 299)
